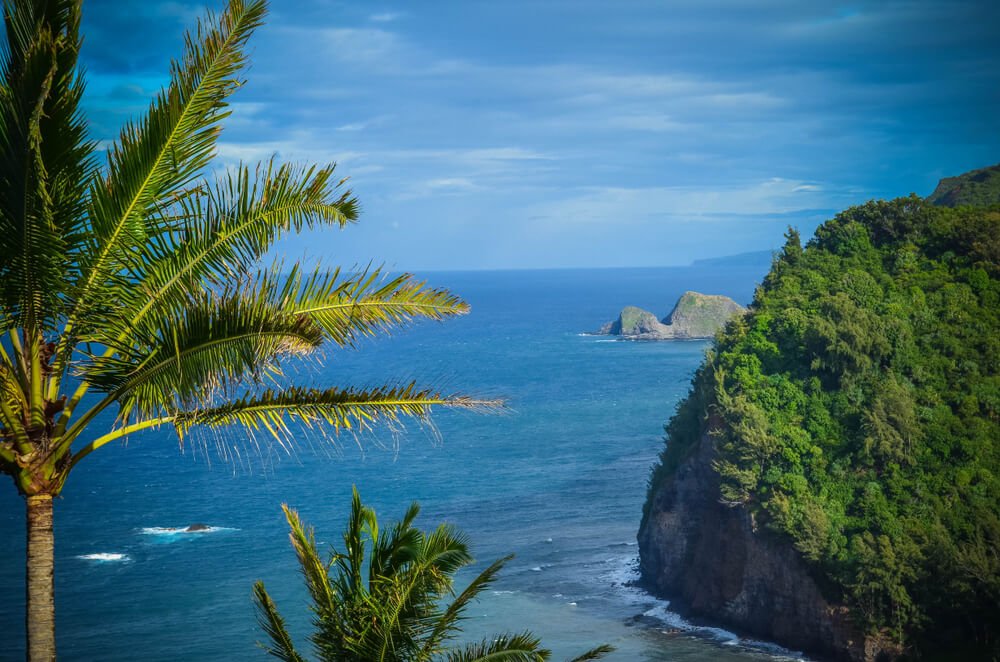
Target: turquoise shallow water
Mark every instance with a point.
(558, 479)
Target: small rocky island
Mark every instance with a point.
(694, 316)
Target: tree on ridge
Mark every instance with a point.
(136, 283)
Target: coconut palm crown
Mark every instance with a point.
(132, 281)
(380, 598)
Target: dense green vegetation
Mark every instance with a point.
(856, 412)
(978, 188)
(380, 598)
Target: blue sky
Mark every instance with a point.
(577, 133)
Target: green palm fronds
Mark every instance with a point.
(136, 285)
(274, 626)
(213, 343)
(355, 409)
(524, 647)
(394, 612)
(142, 281)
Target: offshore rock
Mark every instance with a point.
(635, 322)
(695, 315)
(712, 561)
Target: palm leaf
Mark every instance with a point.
(274, 626)
(407, 600)
(344, 409)
(399, 547)
(313, 568)
(524, 647)
(365, 304)
(45, 161)
(595, 653)
(217, 342)
(447, 625)
(155, 159)
(227, 231)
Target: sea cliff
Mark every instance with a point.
(832, 480)
(714, 561)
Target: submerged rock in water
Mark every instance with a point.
(197, 528)
(695, 315)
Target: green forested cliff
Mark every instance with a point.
(979, 188)
(856, 410)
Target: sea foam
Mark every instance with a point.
(104, 557)
(181, 530)
(624, 575)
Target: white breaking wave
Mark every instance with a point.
(181, 530)
(104, 556)
(624, 573)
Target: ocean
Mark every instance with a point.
(558, 478)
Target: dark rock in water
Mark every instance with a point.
(694, 316)
(196, 528)
(712, 560)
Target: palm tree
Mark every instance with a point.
(385, 604)
(135, 284)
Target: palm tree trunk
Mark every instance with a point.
(40, 597)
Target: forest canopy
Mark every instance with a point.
(856, 414)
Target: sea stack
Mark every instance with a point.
(694, 316)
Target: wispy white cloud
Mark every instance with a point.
(386, 17)
(451, 184)
(624, 206)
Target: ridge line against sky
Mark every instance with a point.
(581, 133)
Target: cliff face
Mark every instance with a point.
(712, 560)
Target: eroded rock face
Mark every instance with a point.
(634, 321)
(694, 316)
(699, 315)
(712, 560)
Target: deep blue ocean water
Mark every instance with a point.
(558, 479)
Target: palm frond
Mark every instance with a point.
(273, 624)
(215, 343)
(313, 568)
(45, 161)
(365, 304)
(595, 653)
(153, 160)
(397, 548)
(345, 409)
(349, 624)
(227, 231)
(12, 401)
(408, 599)
(447, 625)
(524, 647)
